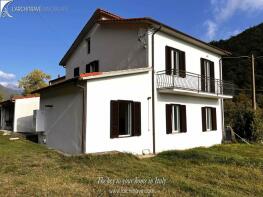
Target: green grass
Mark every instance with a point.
(28, 169)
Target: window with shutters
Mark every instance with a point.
(207, 76)
(92, 67)
(125, 119)
(175, 62)
(76, 72)
(175, 118)
(209, 122)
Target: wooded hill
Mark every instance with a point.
(239, 70)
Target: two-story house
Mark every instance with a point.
(135, 85)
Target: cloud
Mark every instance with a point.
(7, 76)
(11, 85)
(222, 10)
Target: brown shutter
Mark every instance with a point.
(136, 119)
(202, 74)
(214, 123)
(212, 77)
(168, 118)
(204, 118)
(182, 64)
(183, 121)
(168, 60)
(114, 119)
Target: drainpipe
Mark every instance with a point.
(83, 134)
(153, 89)
(221, 100)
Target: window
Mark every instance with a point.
(88, 45)
(175, 118)
(175, 62)
(92, 67)
(76, 72)
(209, 122)
(207, 76)
(125, 119)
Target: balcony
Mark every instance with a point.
(186, 83)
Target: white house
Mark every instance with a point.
(16, 114)
(135, 85)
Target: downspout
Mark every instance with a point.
(153, 89)
(83, 133)
(221, 99)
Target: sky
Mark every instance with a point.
(41, 31)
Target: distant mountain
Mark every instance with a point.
(6, 92)
(244, 44)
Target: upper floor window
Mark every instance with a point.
(88, 45)
(175, 118)
(125, 118)
(76, 71)
(92, 67)
(209, 122)
(207, 75)
(174, 62)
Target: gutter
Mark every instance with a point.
(153, 90)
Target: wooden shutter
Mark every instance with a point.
(202, 74)
(136, 119)
(114, 119)
(182, 64)
(168, 60)
(212, 77)
(183, 122)
(168, 118)
(214, 123)
(204, 118)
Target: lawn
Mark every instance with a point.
(28, 169)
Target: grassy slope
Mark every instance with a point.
(227, 170)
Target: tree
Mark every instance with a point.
(1, 97)
(35, 80)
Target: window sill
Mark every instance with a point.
(124, 136)
(176, 133)
(207, 131)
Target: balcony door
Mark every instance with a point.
(207, 76)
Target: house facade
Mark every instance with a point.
(135, 85)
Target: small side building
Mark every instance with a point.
(16, 114)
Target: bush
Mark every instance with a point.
(245, 122)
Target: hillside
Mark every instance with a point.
(7, 92)
(244, 44)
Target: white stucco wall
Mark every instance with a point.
(192, 54)
(63, 118)
(116, 47)
(194, 136)
(23, 114)
(100, 92)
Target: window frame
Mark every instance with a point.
(94, 64)
(209, 119)
(130, 115)
(176, 108)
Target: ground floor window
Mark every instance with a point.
(175, 118)
(125, 118)
(209, 122)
